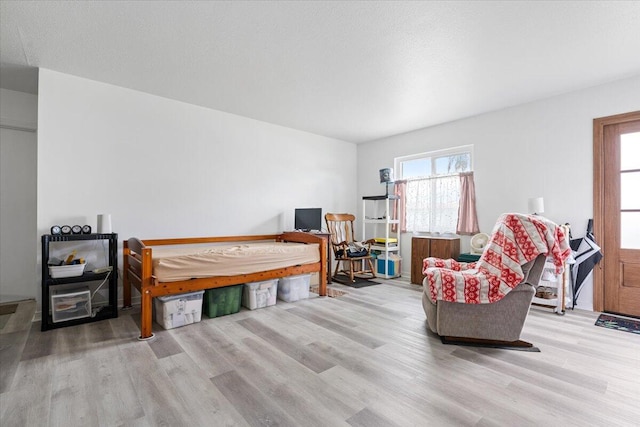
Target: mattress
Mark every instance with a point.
(175, 263)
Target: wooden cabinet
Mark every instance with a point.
(429, 246)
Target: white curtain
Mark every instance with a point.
(432, 204)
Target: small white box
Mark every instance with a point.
(173, 311)
(70, 304)
(294, 288)
(59, 271)
(260, 294)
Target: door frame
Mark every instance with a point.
(598, 196)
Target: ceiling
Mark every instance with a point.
(355, 71)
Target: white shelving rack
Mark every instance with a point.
(556, 285)
(373, 221)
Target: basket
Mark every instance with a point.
(60, 271)
(222, 301)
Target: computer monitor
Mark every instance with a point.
(308, 219)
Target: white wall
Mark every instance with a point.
(18, 109)
(164, 168)
(544, 148)
(18, 271)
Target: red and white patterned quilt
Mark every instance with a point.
(516, 239)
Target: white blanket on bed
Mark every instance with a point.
(173, 263)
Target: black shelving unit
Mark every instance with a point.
(107, 312)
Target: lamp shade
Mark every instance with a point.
(536, 205)
(104, 223)
(386, 175)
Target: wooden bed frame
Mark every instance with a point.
(138, 270)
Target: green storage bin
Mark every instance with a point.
(222, 301)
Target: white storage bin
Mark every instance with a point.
(70, 304)
(173, 311)
(293, 288)
(73, 270)
(260, 294)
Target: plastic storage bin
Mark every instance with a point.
(260, 294)
(222, 301)
(59, 271)
(70, 304)
(393, 265)
(294, 288)
(173, 311)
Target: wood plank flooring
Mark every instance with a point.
(363, 359)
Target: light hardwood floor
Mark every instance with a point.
(363, 359)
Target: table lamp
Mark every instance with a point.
(536, 205)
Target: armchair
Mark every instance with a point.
(486, 303)
(499, 323)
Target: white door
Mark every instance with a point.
(18, 222)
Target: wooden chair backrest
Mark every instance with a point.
(341, 227)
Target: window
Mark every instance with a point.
(629, 197)
(432, 193)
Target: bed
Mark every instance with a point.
(175, 270)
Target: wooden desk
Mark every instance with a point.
(327, 238)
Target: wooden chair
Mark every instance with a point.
(343, 243)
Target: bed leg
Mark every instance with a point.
(146, 316)
(324, 272)
(126, 291)
(126, 284)
(322, 285)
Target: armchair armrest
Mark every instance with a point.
(449, 264)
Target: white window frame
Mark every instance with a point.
(433, 155)
(397, 163)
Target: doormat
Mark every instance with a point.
(359, 281)
(620, 323)
(331, 292)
